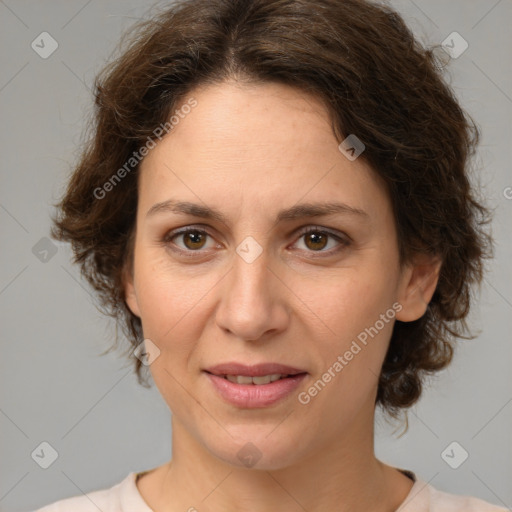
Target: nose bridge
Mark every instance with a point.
(251, 302)
(251, 276)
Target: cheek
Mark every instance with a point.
(166, 295)
(357, 318)
(175, 307)
(172, 307)
(346, 303)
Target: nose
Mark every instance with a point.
(253, 300)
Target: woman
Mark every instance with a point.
(275, 206)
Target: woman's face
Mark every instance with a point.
(253, 288)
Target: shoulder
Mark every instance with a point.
(445, 502)
(423, 497)
(106, 500)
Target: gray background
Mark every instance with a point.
(55, 387)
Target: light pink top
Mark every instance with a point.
(125, 497)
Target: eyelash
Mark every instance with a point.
(343, 241)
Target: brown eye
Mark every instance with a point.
(316, 240)
(187, 240)
(194, 239)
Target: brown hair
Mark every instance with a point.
(376, 81)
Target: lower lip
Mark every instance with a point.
(252, 395)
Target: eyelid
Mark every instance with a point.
(166, 239)
(339, 235)
(342, 238)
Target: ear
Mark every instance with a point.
(419, 281)
(130, 295)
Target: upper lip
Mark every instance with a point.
(256, 370)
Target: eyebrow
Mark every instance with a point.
(300, 211)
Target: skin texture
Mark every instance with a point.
(249, 151)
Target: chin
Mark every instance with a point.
(254, 448)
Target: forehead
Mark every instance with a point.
(270, 120)
(266, 142)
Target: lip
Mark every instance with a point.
(256, 370)
(251, 396)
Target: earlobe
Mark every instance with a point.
(419, 284)
(130, 296)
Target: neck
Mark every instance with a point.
(342, 475)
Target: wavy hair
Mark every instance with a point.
(376, 81)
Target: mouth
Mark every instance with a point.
(254, 386)
(273, 370)
(256, 381)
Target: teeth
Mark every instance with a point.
(264, 379)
